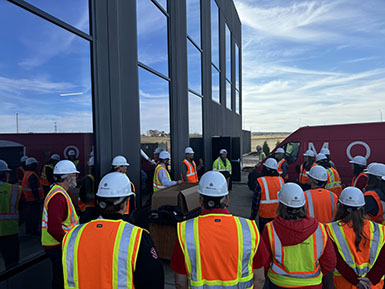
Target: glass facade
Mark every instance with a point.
(195, 115)
(214, 33)
(194, 65)
(215, 88)
(228, 95)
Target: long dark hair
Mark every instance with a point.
(358, 169)
(291, 213)
(353, 217)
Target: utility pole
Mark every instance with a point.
(17, 122)
(380, 114)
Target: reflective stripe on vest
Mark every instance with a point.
(191, 174)
(71, 221)
(303, 177)
(280, 171)
(157, 185)
(333, 180)
(356, 178)
(26, 188)
(9, 214)
(311, 206)
(337, 233)
(123, 258)
(380, 217)
(220, 166)
(281, 275)
(248, 241)
(43, 178)
(267, 194)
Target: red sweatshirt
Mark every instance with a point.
(295, 232)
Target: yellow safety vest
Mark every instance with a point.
(198, 235)
(9, 208)
(156, 184)
(286, 270)
(219, 166)
(71, 221)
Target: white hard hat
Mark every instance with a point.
(71, 153)
(213, 184)
(91, 161)
(223, 151)
(55, 157)
(158, 150)
(359, 160)
(352, 197)
(280, 151)
(292, 195)
(4, 166)
(309, 153)
(325, 151)
(271, 164)
(30, 161)
(114, 185)
(23, 159)
(318, 173)
(164, 155)
(65, 167)
(119, 161)
(376, 169)
(320, 157)
(188, 150)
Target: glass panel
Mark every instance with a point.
(154, 109)
(291, 152)
(228, 94)
(228, 53)
(237, 101)
(152, 36)
(236, 66)
(194, 57)
(215, 84)
(74, 12)
(163, 3)
(194, 20)
(46, 101)
(195, 115)
(214, 33)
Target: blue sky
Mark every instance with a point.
(312, 62)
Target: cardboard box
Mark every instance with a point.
(164, 238)
(184, 195)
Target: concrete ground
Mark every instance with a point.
(239, 205)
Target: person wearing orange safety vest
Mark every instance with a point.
(326, 152)
(59, 216)
(300, 251)
(86, 200)
(320, 203)
(9, 218)
(334, 181)
(282, 164)
(265, 198)
(359, 244)
(32, 197)
(109, 252)
(308, 163)
(360, 179)
(21, 170)
(162, 178)
(188, 168)
(218, 250)
(375, 194)
(46, 178)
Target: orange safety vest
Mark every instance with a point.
(43, 178)
(218, 251)
(280, 171)
(356, 178)
(106, 249)
(321, 204)
(380, 217)
(90, 196)
(270, 186)
(191, 174)
(303, 177)
(26, 187)
(286, 270)
(334, 182)
(359, 261)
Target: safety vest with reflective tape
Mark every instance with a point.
(285, 270)
(43, 178)
(333, 183)
(71, 221)
(26, 187)
(303, 177)
(191, 174)
(280, 171)
(156, 184)
(218, 165)
(9, 208)
(380, 217)
(101, 244)
(90, 196)
(357, 178)
(270, 186)
(344, 237)
(218, 251)
(321, 204)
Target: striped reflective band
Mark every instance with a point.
(190, 168)
(332, 183)
(241, 285)
(247, 245)
(310, 203)
(267, 194)
(122, 242)
(333, 202)
(12, 206)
